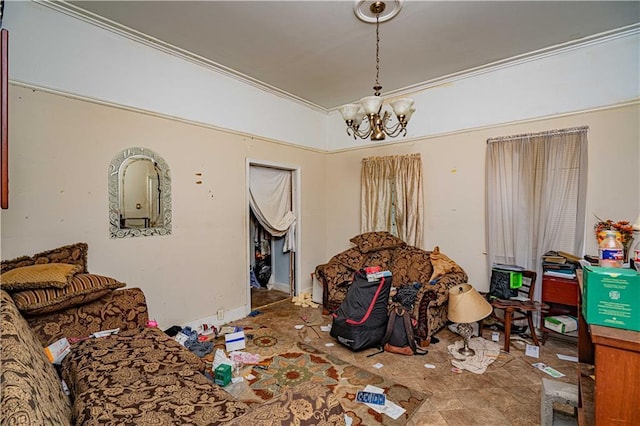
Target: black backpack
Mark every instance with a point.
(399, 336)
(361, 320)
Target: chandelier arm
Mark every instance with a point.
(366, 132)
(395, 130)
(359, 132)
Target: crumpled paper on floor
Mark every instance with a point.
(486, 352)
(245, 358)
(220, 357)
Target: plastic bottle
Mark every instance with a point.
(611, 252)
(634, 250)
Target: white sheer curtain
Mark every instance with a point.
(391, 197)
(270, 201)
(535, 196)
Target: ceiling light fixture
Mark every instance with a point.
(370, 108)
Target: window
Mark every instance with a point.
(535, 196)
(391, 196)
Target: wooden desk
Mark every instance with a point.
(616, 397)
(617, 388)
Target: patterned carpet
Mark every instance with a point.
(294, 362)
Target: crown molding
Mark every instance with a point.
(168, 48)
(559, 49)
(129, 33)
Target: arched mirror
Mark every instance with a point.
(139, 194)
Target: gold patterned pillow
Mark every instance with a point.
(75, 254)
(45, 275)
(82, 289)
(371, 241)
(351, 258)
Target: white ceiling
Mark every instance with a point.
(319, 52)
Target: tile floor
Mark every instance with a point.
(508, 393)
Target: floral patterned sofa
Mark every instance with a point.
(433, 270)
(139, 376)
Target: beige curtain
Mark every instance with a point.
(535, 196)
(391, 197)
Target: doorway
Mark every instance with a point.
(273, 205)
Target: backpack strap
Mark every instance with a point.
(371, 305)
(387, 333)
(408, 328)
(406, 318)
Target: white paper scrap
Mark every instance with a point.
(105, 333)
(329, 344)
(325, 328)
(348, 421)
(429, 366)
(568, 358)
(299, 326)
(391, 409)
(378, 365)
(532, 351)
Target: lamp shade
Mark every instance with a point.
(467, 305)
(401, 106)
(349, 111)
(371, 104)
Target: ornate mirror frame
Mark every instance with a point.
(115, 191)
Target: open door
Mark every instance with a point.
(273, 221)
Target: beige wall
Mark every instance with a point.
(60, 150)
(453, 169)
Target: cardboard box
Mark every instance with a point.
(611, 297)
(58, 350)
(222, 375)
(561, 323)
(234, 341)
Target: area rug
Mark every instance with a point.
(301, 363)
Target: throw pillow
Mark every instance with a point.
(55, 275)
(370, 241)
(441, 264)
(83, 288)
(351, 258)
(75, 254)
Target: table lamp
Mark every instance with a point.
(466, 306)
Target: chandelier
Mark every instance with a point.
(367, 119)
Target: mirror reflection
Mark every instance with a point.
(139, 194)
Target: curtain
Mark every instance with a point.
(270, 201)
(391, 197)
(535, 196)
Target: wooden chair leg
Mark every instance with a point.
(533, 330)
(508, 314)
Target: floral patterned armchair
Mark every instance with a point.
(434, 272)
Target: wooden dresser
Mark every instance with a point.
(614, 397)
